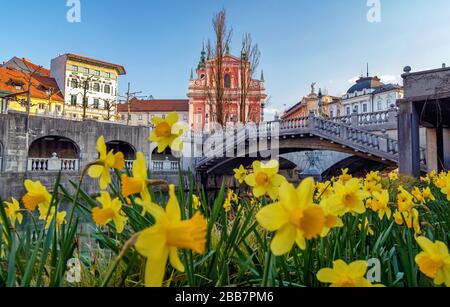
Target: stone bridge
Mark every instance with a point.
(365, 136)
(52, 145)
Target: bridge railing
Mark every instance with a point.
(53, 165)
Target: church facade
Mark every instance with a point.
(237, 86)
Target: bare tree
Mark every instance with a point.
(215, 77)
(250, 57)
(110, 107)
(85, 84)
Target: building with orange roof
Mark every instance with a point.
(26, 66)
(45, 95)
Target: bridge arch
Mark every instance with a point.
(53, 153)
(128, 150)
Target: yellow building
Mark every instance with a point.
(45, 96)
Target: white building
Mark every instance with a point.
(369, 95)
(75, 73)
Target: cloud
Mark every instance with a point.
(270, 112)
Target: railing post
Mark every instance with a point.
(310, 124)
(392, 115)
(354, 119)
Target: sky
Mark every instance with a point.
(301, 41)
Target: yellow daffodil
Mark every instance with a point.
(427, 195)
(265, 179)
(442, 181)
(367, 227)
(138, 183)
(60, 218)
(240, 174)
(393, 176)
(294, 217)
(161, 241)
(345, 176)
(372, 186)
(380, 204)
(349, 197)
(12, 210)
(324, 190)
(373, 177)
(107, 161)
(410, 217)
(110, 210)
(345, 275)
(37, 196)
(405, 200)
(168, 132)
(434, 261)
(196, 202)
(332, 219)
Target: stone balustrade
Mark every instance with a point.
(53, 164)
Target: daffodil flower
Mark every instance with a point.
(37, 196)
(107, 161)
(168, 132)
(411, 218)
(380, 204)
(294, 217)
(12, 210)
(240, 174)
(110, 211)
(434, 261)
(60, 218)
(345, 176)
(332, 218)
(349, 197)
(161, 241)
(345, 275)
(367, 227)
(138, 183)
(265, 179)
(405, 200)
(196, 202)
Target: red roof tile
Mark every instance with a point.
(156, 105)
(9, 77)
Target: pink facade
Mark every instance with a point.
(202, 87)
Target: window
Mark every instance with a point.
(331, 113)
(96, 87)
(123, 117)
(198, 118)
(365, 108)
(227, 81)
(97, 72)
(74, 68)
(58, 108)
(74, 83)
(73, 100)
(379, 105)
(185, 117)
(107, 89)
(348, 111)
(96, 103)
(356, 109)
(41, 106)
(107, 75)
(140, 116)
(85, 70)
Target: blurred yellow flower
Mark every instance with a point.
(380, 204)
(345, 275)
(349, 197)
(161, 241)
(110, 210)
(240, 174)
(12, 211)
(410, 217)
(434, 261)
(332, 219)
(373, 177)
(405, 200)
(294, 217)
(324, 190)
(265, 179)
(37, 196)
(393, 176)
(138, 183)
(60, 218)
(106, 162)
(367, 227)
(168, 132)
(345, 176)
(196, 202)
(372, 186)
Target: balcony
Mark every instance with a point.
(164, 166)
(53, 164)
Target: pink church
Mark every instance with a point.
(200, 92)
